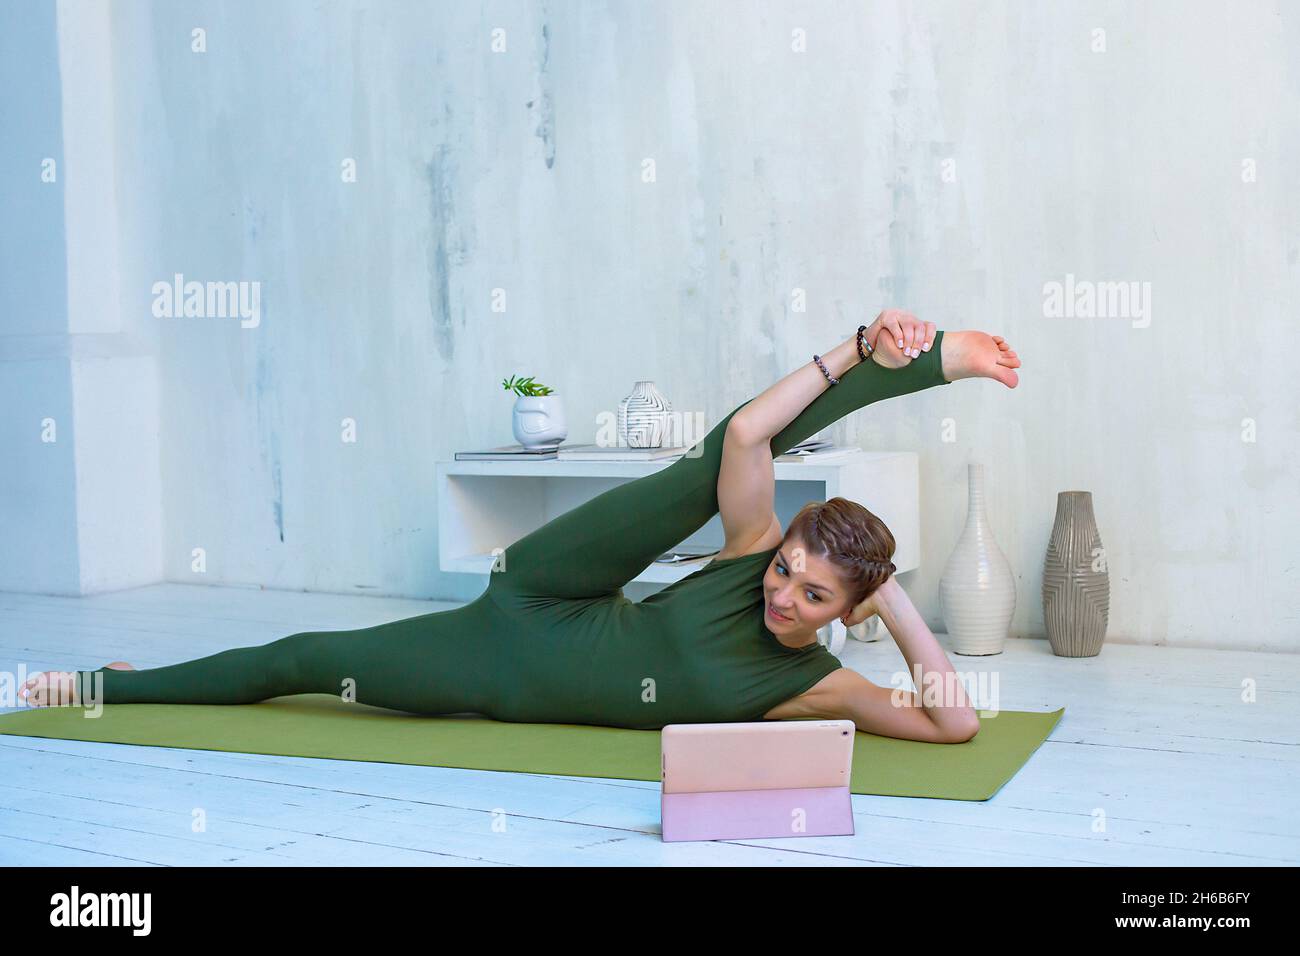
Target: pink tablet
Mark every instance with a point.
(757, 779)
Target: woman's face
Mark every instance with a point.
(802, 591)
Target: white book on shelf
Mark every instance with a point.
(828, 454)
(812, 444)
(616, 453)
(508, 453)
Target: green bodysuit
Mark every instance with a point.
(553, 639)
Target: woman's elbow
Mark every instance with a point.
(966, 732)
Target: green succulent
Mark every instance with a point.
(525, 386)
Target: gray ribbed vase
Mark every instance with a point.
(1076, 584)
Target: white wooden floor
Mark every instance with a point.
(1157, 761)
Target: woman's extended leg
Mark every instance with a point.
(601, 545)
(429, 664)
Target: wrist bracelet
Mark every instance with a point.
(829, 377)
(863, 355)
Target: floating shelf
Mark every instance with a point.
(485, 506)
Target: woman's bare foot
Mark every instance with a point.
(39, 693)
(978, 355)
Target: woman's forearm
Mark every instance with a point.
(938, 689)
(767, 414)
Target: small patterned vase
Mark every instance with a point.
(643, 417)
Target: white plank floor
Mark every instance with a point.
(1158, 760)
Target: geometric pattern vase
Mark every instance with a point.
(1076, 582)
(643, 417)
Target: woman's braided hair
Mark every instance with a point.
(850, 537)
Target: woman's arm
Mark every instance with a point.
(939, 714)
(762, 418)
(746, 477)
(941, 696)
(766, 415)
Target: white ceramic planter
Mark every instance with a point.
(539, 421)
(977, 591)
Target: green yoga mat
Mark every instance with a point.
(324, 725)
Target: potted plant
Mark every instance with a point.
(538, 413)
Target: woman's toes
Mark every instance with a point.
(31, 687)
(50, 686)
(1004, 360)
(41, 692)
(32, 690)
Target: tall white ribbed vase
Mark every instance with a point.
(977, 591)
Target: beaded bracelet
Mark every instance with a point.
(863, 355)
(829, 377)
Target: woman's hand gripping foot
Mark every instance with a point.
(897, 337)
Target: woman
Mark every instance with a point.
(553, 639)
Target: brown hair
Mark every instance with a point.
(850, 537)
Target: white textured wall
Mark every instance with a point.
(80, 483)
(775, 170)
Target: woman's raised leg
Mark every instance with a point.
(601, 545)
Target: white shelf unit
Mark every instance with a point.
(485, 506)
